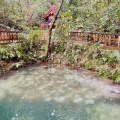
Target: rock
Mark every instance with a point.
(117, 91)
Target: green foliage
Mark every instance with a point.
(23, 14)
(117, 80)
(102, 60)
(104, 72)
(89, 15)
(81, 48)
(19, 51)
(90, 55)
(12, 52)
(110, 57)
(36, 35)
(60, 48)
(116, 54)
(90, 65)
(73, 58)
(115, 73)
(112, 60)
(64, 25)
(94, 16)
(94, 51)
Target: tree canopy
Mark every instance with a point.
(22, 13)
(89, 15)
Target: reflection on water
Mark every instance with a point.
(41, 93)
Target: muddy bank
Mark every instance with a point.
(8, 67)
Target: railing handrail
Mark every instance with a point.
(110, 39)
(9, 36)
(96, 33)
(10, 31)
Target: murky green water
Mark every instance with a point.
(41, 93)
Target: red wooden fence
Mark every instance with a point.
(9, 36)
(107, 39)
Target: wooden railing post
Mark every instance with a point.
(108, 39)
(119, 41)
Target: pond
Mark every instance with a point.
(55, 93)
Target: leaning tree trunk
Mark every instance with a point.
(51, 27)
(109, 1)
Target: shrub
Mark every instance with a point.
(102, 71)
(117, 80)
(36, 35)
(115, 73)
(89, 65)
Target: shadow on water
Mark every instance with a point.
(51, 93)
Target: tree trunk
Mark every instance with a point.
(109, 1)
(51, 27)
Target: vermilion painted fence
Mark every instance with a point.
(9, 36)
(107, 39)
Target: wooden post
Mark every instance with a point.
(109, 40)
(7, 36)
(118, 41)
(4, 36)
(109, 1)
(12, 36)
(105, 39)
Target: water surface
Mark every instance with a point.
(51, 93)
